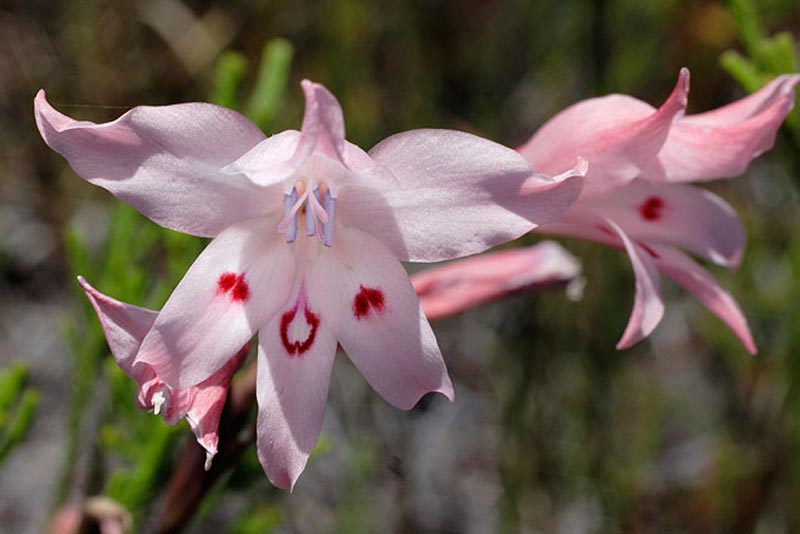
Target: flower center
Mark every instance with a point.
(318, 203)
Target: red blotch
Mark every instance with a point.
(367, 297)
(651, 208)
(647, 248)
(298, 347)
(233, 284)
(226, 282)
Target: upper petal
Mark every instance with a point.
(366, 297)
(455, 194)
(164, 161)
(323, 124)
(295, 355)
(457, 286)
(722, 143)
(781, 89)
(232, 289)
(693, 218)
(618, 135)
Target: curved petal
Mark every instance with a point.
(781, 88)
(208, 401)
(124, 325)
(295, 357)
(323, 124)
(648, 308)
(269, 162)
(618, 135)
(722, 143)
(164, 161)
(460, 285)
(366, 297)
(697, 281)
(231, 291)
(456, 194)
(693, 218)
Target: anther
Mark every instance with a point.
(327, 226)
(158, 401)
(289, 201)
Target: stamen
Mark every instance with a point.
(319, 211)
(291, 205)
(327, 226)
(310, 214)
(158, 402)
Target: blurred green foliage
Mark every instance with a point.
(18, 404)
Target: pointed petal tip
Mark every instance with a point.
(684, 79)
(679, 98)
(746, 339)
(581, 167)
(281, 478)
(89, 290)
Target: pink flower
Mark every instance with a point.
(308, 230)
(125, 327)
(633, 199)
(467, 283)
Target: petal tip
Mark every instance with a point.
(581, 167)
(684, 78)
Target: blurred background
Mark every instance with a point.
(553, 430)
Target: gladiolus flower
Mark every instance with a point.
(633, 198)
(308, 230)
(460, 285)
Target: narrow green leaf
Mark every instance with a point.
(273, 75)
(231, 69)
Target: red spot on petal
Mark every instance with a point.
(651, 208)
(647, 248)
(298, 347)
(366, 299)
(233, 284)
(226, 282)
(241, 290)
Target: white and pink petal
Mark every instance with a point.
(697, 281)
(618, 134)
(455, 194)
(463, 284)
(295, 357)
(723, 142)
(233, 288)
(648, 306)
(366, 297)
(682, 215)
(164, 161)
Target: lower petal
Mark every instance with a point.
(366, 296)
(295, 356)
(648, 308)
(463, 284)
(697, 281)
(687, 216)
(231, 290)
